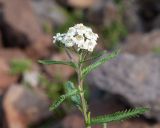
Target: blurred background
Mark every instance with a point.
(130, 80)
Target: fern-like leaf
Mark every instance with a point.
(75, 98)
(101, 61)
(62, 98)
(118, 116)
(97, 55)
(49, 62)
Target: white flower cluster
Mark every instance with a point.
(78, 35)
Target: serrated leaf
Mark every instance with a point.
(118, 116)
(75, 98)
(57, 102)
(62, 98)
(95, 56)
(101, 61)
(49, 62)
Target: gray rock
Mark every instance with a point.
(49, 10)
(132, 18)
(135, 78)
(139, 43)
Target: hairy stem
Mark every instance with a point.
(83, 101)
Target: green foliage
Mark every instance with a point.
(47, 28)
(49, 62)
(75, 98)
(156, 50)
(95, 56)
(117, 30)
(101, 61)
(57, 102)
(53, 89)
(114, 33)
(73, 17)
(20, 65)
(62, 98)
(118, 116)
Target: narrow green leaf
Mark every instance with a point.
(57, 102)
(118, 116)
(95, 56)
(49, 62)
(101, 61)
(62, 98)
(75, 98)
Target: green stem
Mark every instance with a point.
(80, 83)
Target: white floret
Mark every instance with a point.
(90, 44)
(71, 31)
(78, 35)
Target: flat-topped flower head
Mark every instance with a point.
(80, 36)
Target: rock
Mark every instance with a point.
(131, 15)
(1, 112)
(110, 12)
(131, 124)
(139, 43)
(81, 4)
(73, 121)
(134, 78)
(95, 13)
(60, 72)
(42, 48)
(49, 12)
(21, 19)
(103, 13)
(6, 78)
(19, 26)
(156, 23)
(149, 11)
(23, 106)
(31, 78)
(76, 121)
(0, 41)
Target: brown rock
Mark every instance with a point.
(23, 106)
(41, 48)
(142, 43)
(111, 13)
(6, 78)
(20, 28)
(103, 13)
(77, 3)
(73, 121)
(80, 3)
(130, 124)
(76, 121)
(132, 20)
(50, 14)
(111, 104)
(0, 40)
(20, 16)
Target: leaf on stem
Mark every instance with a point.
(118, 116)
(75, 98)
(62, 98)
(101, 61)
(95, 56)
(49, 62)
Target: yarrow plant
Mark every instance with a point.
(81, 40)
